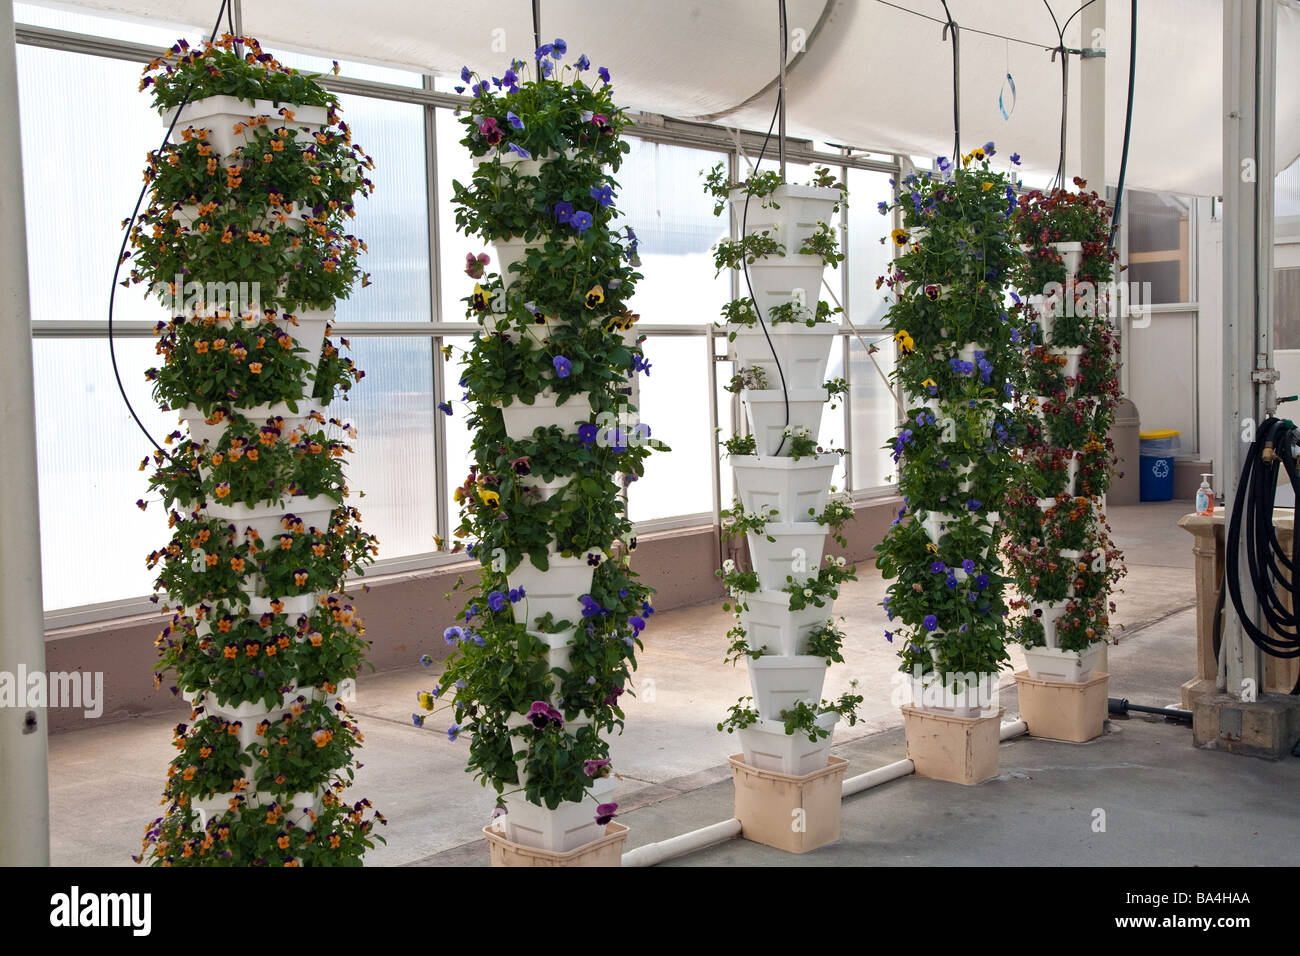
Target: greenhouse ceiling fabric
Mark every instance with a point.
(863, 72)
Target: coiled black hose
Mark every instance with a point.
(1251, 532)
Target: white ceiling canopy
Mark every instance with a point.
(872, 74)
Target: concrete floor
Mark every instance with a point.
(1155, 788)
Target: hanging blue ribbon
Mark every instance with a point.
(1006, 113)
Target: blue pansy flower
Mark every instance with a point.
(581, 221)
(603, 195)
(515, 121)
(563, 367)
(560, 48)
(465, 74)
(516, 148)
(603, 74)
(583, 63)
(496, 600)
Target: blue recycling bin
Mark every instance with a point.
(1156, 455)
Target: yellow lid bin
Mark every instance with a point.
(1157, 449)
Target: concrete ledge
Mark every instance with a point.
(1268, 727)
(405, 614)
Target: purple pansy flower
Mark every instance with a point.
(930, 622)
(581, 221)
(605, 811)
(563, 367)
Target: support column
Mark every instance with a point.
(1249, 79)
(1093, 41)
(24, 788)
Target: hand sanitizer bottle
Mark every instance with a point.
(1205, 497)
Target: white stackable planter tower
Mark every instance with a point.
(240, 607)
(790, 359)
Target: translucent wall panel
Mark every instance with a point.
(89, 453)
(453, 166)
(867, 257)
(1159, 246)
(86, 135)
(874, 416)
(661, 196)
(675, 404)
(394, 463)
(394, 220)
(94, 540)
(456, 458)
(832, 434)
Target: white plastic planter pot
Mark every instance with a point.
(1048, 613)
(779, 280)
(767, 746)
(766, 410)
(511, 160)
(267, 519)
(556, 589)
(188, 214)
(796, 553)
(935, 522)
(494, 322)
(779, 682)
(559, 650)
(510, 251)
(201, 431)
(309, 331)
(796, 490)
(545, 489)
(567, 827)
(1072, 253)
(292, 606)
(791, 216)
(1072, 356)
(220, 115)
(969, 695)
(803, 352)
(522, 420)
(1054, 664)
(772, 627)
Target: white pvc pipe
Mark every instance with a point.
(1013, 728)
(652, 854)
(874, 778)
(24, 788)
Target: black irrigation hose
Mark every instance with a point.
(225, 12)
(744, 223)
(1269, 568)
(1120, 707)
(956, 87)
(1128, 119)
